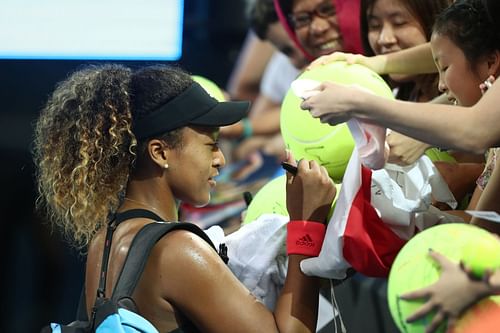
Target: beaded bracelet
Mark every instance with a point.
(305, 237)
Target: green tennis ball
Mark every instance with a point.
(438, 155)
(210, 87)
(271, 199)
(414, 269)
(307, 137)
(481, 256)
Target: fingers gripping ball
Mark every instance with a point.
(414, 269)
(271, 199)
(307, 137)
(210, 87)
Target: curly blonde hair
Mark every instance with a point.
(84, 149)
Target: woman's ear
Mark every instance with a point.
(158, 152)
(493, 61)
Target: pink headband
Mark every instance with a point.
(348, 23)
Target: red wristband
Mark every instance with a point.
(305, 237)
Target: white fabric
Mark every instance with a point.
(277, 77)
(216, 235)
(257, 256)
(330, 262)
(370, 142)
(401, 196)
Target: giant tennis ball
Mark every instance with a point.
(414, 269)
(307, 137)
(271, 199)
(210, 87)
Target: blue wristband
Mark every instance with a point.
(247, 128)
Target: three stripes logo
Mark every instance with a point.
(306, 241)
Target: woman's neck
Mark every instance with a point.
(149, 195)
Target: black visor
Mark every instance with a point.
(194, 106)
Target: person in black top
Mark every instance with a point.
(111, 139)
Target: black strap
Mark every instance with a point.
(139, 251)
(113, 223)
(136, 213)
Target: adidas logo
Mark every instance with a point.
(305, 241)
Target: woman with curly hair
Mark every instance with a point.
(111, 140)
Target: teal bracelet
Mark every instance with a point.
(247, 128)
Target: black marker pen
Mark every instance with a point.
(290, 168)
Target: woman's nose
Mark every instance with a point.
(219, 159)
(441, 85)
(319, 24)
(387, 36)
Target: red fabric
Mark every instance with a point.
(370, 246)
(348, 16)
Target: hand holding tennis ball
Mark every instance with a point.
(428, 288)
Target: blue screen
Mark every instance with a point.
(91, 29)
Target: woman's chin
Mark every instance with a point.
(201, 202)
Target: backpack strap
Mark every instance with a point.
(139, 250)
(113, 223)
(136, 213)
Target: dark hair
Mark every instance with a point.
(424, 11)
(286, 8)
(493, 11)
(152, 87)
(469, 24)
(262, 15)
(84, 146)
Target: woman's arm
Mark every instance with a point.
(244, 81)
(203, 289)
(264, 120)
(465, 128)
(415, 60)
(490, 201)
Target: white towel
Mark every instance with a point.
(257, 256)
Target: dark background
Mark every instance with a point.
(41, 275)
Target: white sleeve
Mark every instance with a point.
(277, 77)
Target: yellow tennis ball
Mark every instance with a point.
(307, 137)
(438, 155)
(271, 199)
(481, 256)
(210, 87)
(414, 269)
